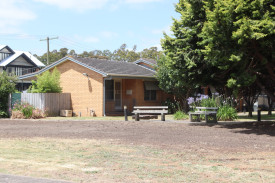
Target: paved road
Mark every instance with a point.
(4, 178)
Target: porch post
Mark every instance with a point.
(104, 81)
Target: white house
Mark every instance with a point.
(18, 63)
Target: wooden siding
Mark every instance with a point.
(20, 61)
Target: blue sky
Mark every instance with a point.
(84, 25)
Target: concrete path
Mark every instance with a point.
(4, 178)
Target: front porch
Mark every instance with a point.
(130, 93)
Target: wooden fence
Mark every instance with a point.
(50, 102)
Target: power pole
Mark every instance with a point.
(48, 46)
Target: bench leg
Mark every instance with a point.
(214, 120)
(137, 117)
(162, 117)
(194, 120)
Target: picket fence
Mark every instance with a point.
(50, 102)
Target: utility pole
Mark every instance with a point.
(48, 46)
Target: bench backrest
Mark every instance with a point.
(151, 109)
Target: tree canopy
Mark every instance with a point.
(228, 44)
(120, 54)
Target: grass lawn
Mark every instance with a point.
(82, 160)
(244, 116)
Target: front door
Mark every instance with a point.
(118, 93)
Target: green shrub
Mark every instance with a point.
(25, 108)
(7, 86)
(172, 104)
(180, 115)
(227, 113)
(48, 82)
(3, 114)
(209, 102)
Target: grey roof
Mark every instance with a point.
(116, 68)
(104, 67)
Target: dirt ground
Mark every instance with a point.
(233, 137)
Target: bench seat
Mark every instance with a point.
(150, 111)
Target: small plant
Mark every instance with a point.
(208, 102)
(26, 111)
(227, 113)
(179, 115)
(3, 114)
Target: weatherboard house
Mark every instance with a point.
(104, 87)
(18, 63)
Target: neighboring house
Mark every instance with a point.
(18, 63)
(103, 86)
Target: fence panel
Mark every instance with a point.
(51, 102)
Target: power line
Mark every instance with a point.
(48, 46)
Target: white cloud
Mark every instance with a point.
(12, 14)
(141, 1)
(79, 5)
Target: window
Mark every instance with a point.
(109, 89)
(150, 95)
(150, 90)
(4, 55)
(9, 70)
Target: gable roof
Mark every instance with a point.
(104, 67)
(26, 55)
(117, 68)
(7, 47)
(17, 54)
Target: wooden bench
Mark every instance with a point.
(150, 110)
(208, 112)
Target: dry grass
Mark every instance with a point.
(81, 160)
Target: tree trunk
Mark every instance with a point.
(250, 110)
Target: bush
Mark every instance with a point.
(7, 86)
(173, 105)
(3, 114)
(48, 82)
(180, 115)
(227, 113)
(209, 102)
(26, 111)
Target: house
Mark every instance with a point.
(104, 87)
(18, 63)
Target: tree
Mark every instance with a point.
(238, 39)
(151, 53)
(7, 86)
(125, 55)
(183, 68)
(48, 82)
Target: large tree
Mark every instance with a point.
(183, 68)
(238, 39)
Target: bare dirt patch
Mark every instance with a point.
(233, 136)
(145, 151)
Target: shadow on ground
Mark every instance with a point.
(258, 128)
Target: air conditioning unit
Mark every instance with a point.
(66, 113)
